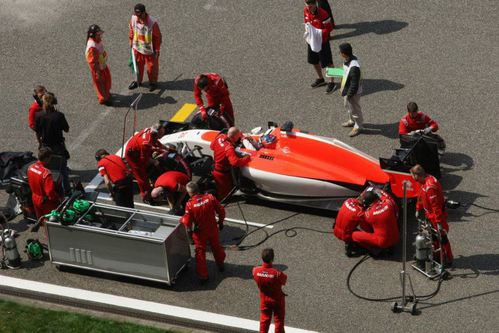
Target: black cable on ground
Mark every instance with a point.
(483, 207)
(393, 298)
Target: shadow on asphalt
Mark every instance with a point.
(85, 175)
(467, 199)
(387, 130)
(456, 162)
(482, 264)
(432, 305)
(377, 27)
(371, 86)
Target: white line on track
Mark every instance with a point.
(184, 314)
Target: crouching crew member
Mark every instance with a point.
(272, 298)
(381, 213)
(225, 157)
(43, 190)
(431, 200)
(117, 177)
(217, 95)
(138, 155)
(171, 185)
(199, 219)
(350, 216)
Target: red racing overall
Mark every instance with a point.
(272, 298)
(431, 199)
(200, 218)
(420, 121)
(348, 219)
(45, 197)
(225, 157)
(217, 94)
(138, 154)
(382, 216)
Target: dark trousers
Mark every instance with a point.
(123, 193)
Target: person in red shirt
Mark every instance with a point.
(35, 108)
(43, 190)
(319, 18)
(217, 96)
(199, 219)
(431, 200)
(116, 177)
(272, 298)
(97, 61)
(414, 121)
(145, 41)
(172, 185)
(381, 213)
(138, 155)
(225, 157)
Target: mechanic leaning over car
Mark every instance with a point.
(431, 205)
(43, 190)
(225, 158)
(414, 121)
(381, 214)
(138, 155)
(199, 219)
(171, 185)
(117, 177)
(272, 298)
(217, 96)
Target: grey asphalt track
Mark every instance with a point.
(442, 54)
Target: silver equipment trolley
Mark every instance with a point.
(121, 241)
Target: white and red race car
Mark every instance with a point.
(293, 166)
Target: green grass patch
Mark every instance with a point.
(17, 318)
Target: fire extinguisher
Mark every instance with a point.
(11, 257)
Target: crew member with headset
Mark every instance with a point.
(43, 189)
(225, 158)
(171, 185)
(97, 57)
(381, 214)
(199, 219)
(117, 177)
(431, 205)
(217, 96)
(138, 155)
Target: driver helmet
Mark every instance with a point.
(268, 140)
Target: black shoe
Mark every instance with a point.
(331, 87)
(133, 85)
(203, 281)
(221, 268)
(153, 86)
(318, 83)
(109, 102)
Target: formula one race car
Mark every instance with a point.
(293, 166)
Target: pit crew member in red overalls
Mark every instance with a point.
(225, 157)
(414, 121)
(145, 40)
(272, 298)
(217, 95)
(171, 185)
(117, 177)
(350, 216)
(200, 221)
(138, 155)
(43, 190)
(431, 200)
(381, 213)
